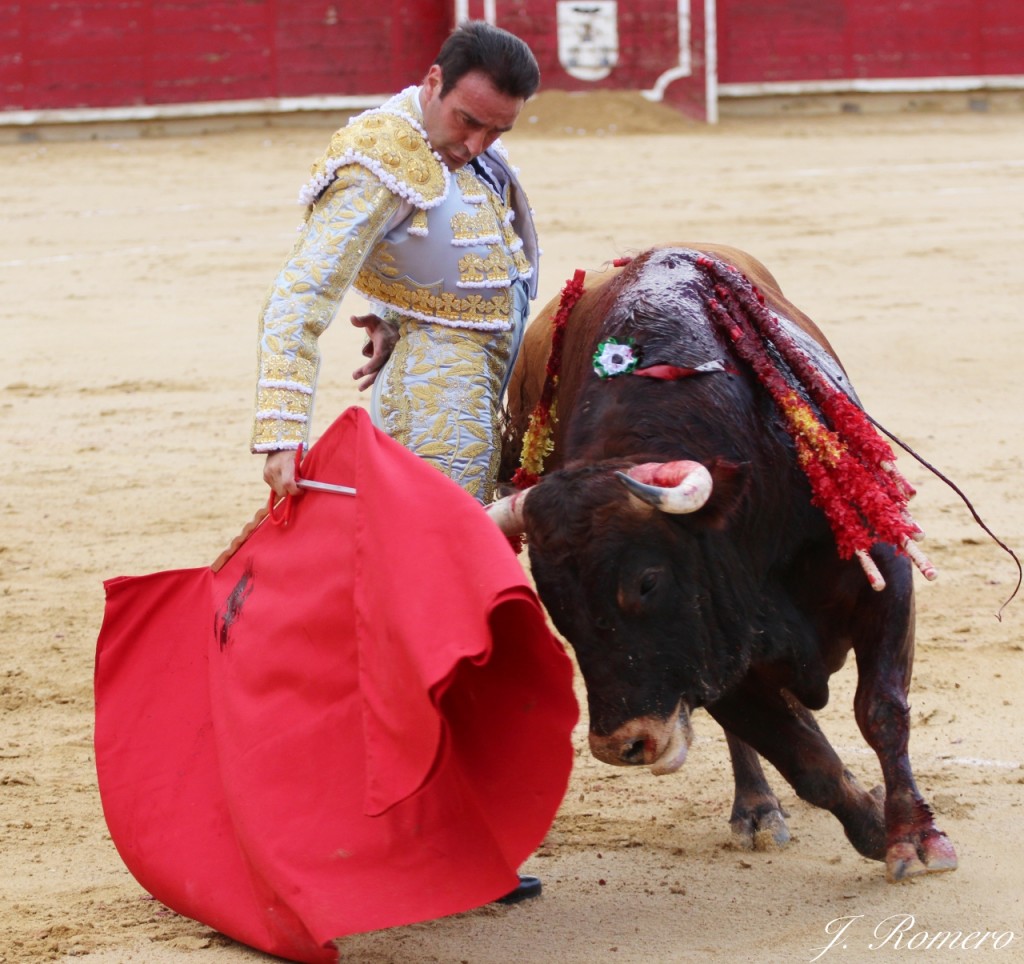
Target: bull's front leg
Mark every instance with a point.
(786, 734)
(884, 644)
(758, 821)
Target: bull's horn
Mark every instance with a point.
(673, 487)
(507, 513)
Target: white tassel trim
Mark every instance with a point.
(455, 323)
(287, 385)
(499, 148)
(276, 415)
(488, 239)
(317, 185)
(504, 283)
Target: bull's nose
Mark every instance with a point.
(660, 743)
(632, 753)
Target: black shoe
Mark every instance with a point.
(528, 887)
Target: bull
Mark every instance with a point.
(678, 546)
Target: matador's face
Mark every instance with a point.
(468, 119)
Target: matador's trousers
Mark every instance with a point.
(440, 395)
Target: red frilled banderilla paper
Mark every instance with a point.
(360, 721)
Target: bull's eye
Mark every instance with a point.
(638, 591)
(649, 581)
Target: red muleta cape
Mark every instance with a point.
(361, 720)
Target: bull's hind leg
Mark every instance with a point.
(885, 654)
(758, 821)
(786, 734)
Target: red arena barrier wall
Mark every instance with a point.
(848, 39)
(61, 55)
(106, 53)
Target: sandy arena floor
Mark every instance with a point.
(131, 273)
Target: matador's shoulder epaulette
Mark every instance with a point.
(393, 145)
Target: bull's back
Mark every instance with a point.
(765, 281)
(580, 334)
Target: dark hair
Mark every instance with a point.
(502, 56)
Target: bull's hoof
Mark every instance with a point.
(762, 831)
(865, 829)
(932, 854)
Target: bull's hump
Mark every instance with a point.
(663, 306)
(666, 304)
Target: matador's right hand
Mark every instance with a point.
(279, 472)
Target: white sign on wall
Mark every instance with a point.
(588, 37)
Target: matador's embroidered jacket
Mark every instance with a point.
(387, 217)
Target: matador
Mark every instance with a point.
(441, 241)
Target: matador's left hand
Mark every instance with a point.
(382, 337)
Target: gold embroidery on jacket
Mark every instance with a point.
(418, 224)
(477, 270)
(470, 187)
(339, 230)
(394, 144)
(478, 226)
(512, 241)
(522, 263)
(433, 303)
(384, 260)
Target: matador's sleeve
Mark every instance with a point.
(341, 230)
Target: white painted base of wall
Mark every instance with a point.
(190, 111)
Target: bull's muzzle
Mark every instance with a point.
(660, 744)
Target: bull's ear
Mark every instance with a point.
(730, 483)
